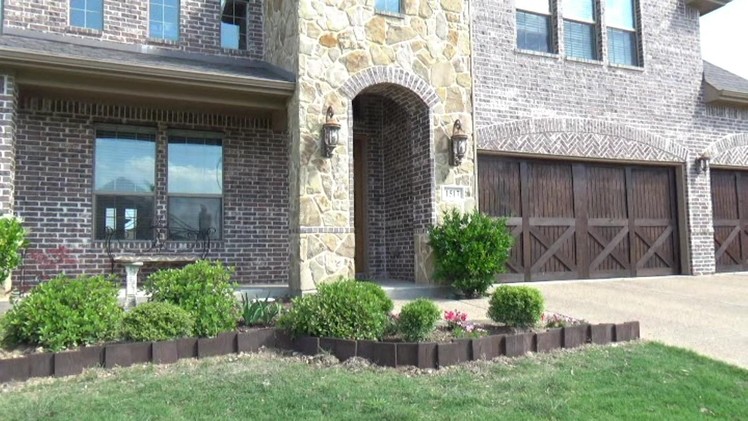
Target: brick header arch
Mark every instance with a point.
(730, 150)
(579, 137)
(390, 75)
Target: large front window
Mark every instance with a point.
(535, 26)
(623, 43)
(195, 186)
(234, 24)
(389, 6)
(163, 21)
(580, 29)
(87, 14)
(124, 183)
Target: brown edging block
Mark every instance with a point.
(69, 363)
(602, 334)
(417, 354)
(488, 347)
(380, 353)
(14, 369)
(253, 340)
(628, 331)
(41, 365)
(125, 355)
(187, 348)
(519, 344)
(165, 352)
(575, 336)
(307, 345)
(221, 344)
(342, 349)
(549, 340)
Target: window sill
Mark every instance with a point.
(585, 61)
(626, 67)
(159, 41)
(536, 53)
(83, 31)
(390, 14)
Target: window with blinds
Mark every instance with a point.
(535, 26)
(623, 42)
(124, 183)
(580, 29)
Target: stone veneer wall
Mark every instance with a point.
(8, 101)
(547, 104)
(55, 149)
(345, 47)
(126, 21)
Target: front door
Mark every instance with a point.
(359, 205)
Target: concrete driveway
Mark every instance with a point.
(707, 314)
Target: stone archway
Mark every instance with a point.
(730, 150)
(392, 179)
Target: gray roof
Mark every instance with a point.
(142, 55)
(722, 80)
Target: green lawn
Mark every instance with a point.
(636, 381)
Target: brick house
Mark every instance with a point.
(594, 126)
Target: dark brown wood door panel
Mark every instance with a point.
(580, 220)
(730, 214)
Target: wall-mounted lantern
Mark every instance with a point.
(331, 133)
(702, 162)
(459, 143)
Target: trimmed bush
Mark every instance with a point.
(204, 290)
(157, 322)
(418, 319)
(516, 306)
(345, 309)
(66, 312)
(470, 250)
(385, 302)
(12, 242)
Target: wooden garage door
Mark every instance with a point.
(579, 220)
(730, 210)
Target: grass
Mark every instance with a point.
(636, 381)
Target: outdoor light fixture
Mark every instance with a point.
(331, 133)
(702, 162)
(459, 143)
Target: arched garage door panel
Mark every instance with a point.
(580, 220)
(730, 211)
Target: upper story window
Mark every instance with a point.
(234, 24)
(87, 14)
(195, 186)
(389, 6)
(623, 43)
(580, 29)
(163, 20)
(534, 26)
(124, 183)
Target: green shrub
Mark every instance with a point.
(260, 312)
(470, 250)
(66, 312)
(204, 290)
(516, 306)
(418, 319)
(12, 242)
(157, 322)
(344, 309)
(385, 302)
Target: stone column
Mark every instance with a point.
(700, 220)
(8, 106)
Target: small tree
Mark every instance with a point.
(470, 250)
(12, 242)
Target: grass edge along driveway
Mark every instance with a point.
(641, 380)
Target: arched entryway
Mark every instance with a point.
(392, 182)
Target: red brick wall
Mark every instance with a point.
(54, 157)
(126, 21)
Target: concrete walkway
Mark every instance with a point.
(707, 314)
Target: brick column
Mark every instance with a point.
(700, 221)
(8, 105)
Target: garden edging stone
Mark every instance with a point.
(425, 355)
